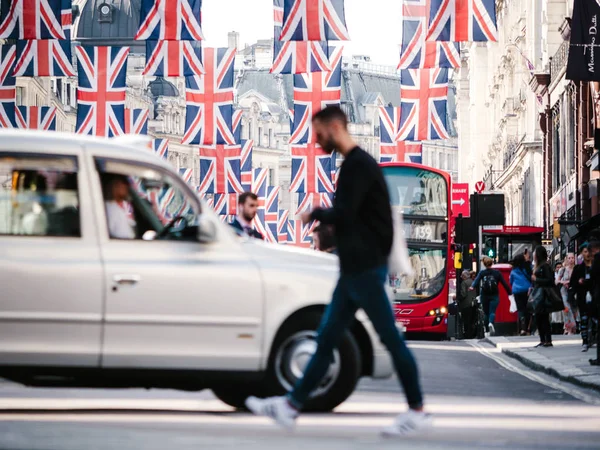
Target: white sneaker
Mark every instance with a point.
(409, 423)
(492, 329)
(277, 408)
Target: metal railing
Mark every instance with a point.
(559, 60)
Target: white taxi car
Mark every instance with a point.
(179, 301)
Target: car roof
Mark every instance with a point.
(51, 142)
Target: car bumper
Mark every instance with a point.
(382, 362)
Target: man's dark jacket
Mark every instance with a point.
(361, 214)
(252, 233)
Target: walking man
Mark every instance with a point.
(362, 219)
(247, 206)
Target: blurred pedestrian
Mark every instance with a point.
(542, 278)
(563, 279)
(247, 206)
(595, 305)
(520, 281)
(324, 239)
(489, 279)
(363, 223)
(582, 285)
(466, 305)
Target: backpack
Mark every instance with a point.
(489, 285)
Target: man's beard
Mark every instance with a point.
(248, 217)
(329, 146)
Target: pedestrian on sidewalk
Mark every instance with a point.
(520, 282)
(543, 277)
(563, 279)
(595, 305)
(581, 283)
(489, 279)
(362, 219)
(466, 304)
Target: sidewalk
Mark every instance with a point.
(564, 361)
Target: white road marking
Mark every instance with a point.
(558, 385)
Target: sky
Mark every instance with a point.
(374, 29)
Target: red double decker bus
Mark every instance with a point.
(423, 195)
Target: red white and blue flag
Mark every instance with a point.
(225, 204)
(313, 92)
(8, 90)
(314, 20)
(136, 121)
(389, 124)
(209, 100)
(308, 202)
(462, 21)
(36, 117)
(246, 164)
(170, 20)
(220, 169)
(259, 187)
(161, 148)
(299, 235)
(272, 213)
(292, 57)
(311, 169)
(423, 103)
(187, 175)
(44, 58)
(401, 151)
(282, 226)
(173, 59)
(32, 19)
(416, 52)
(236, 125)
(101, 90)
(66, 17)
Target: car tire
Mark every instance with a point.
(347, 364)
(234, 396)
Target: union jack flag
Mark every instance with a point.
(220, 170)
(246, 164)
(272, 213)
(297, 56)
(161, 148)
(389, 124)
(308, 202)
(314, 20)
(209, 199)
(282, 226)
(101, 90)
(423, 103)
(32, 19)
(299, 235)
(401, 151)
(8, 90)
(209, 100)
(236, 125)
(170, 20)
(416, 52)
(36, 117)
(173, 59)
(259, 187)
(225, 204)
(463, 21)
(44, 58)
(136, 121)
(313, 92)
(187, 175)
(311, 169)
(66, 17)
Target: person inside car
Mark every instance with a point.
(121, 225)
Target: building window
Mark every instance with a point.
(260, 135)
(272, 181)
(270, 137)
(250, 130)
(556, 148)
(19, 97)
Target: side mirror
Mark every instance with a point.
(207, 230)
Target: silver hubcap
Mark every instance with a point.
(293, 357)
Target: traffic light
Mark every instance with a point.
(488, 248)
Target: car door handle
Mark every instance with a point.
(127, 279)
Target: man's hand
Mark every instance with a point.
(305, 217)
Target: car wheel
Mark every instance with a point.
(293, 348)
(234, 396)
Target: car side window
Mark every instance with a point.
(39, 195)
(141, 202)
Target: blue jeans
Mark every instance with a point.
(490, 304)
(353, 291)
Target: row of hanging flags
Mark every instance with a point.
(304, 31)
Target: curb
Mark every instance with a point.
(574, 379)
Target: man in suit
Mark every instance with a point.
(247, 206)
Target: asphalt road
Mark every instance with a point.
(479, 398)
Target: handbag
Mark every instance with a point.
(536, 300)
(554, 302)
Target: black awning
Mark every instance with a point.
(587, 227)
